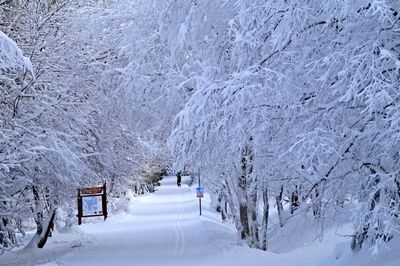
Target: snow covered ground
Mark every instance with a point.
(165, 228)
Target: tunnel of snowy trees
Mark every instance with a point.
(287, 106)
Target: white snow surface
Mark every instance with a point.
(11, 56)
(165, 228)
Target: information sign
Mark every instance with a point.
(200, 192)
(92, 202)
(92, 205)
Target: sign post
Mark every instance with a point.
(199, 194)
(92, 202)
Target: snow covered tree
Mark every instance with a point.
(312, 83)
(13, 67)
(54, 127)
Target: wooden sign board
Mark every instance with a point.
(92, 202)
(91, 191)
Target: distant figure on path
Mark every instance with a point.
(178, 179)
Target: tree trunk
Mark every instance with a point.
(252, 216)
(224, 201)
(243, 214)
(244, 220)
(263, 238)
(38, 210)
(49, 227)
(223, 206)
(247, 208)
(243, 201)
(316, 204)
(224, 212)
(294, 201)
(279, 207)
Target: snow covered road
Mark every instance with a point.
(165, 228)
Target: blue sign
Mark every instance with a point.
(199, 192)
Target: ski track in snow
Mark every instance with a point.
(179, 233)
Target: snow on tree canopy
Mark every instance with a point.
(11, 56)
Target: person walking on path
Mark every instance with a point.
(178, 179)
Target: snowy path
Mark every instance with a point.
(163, 228)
